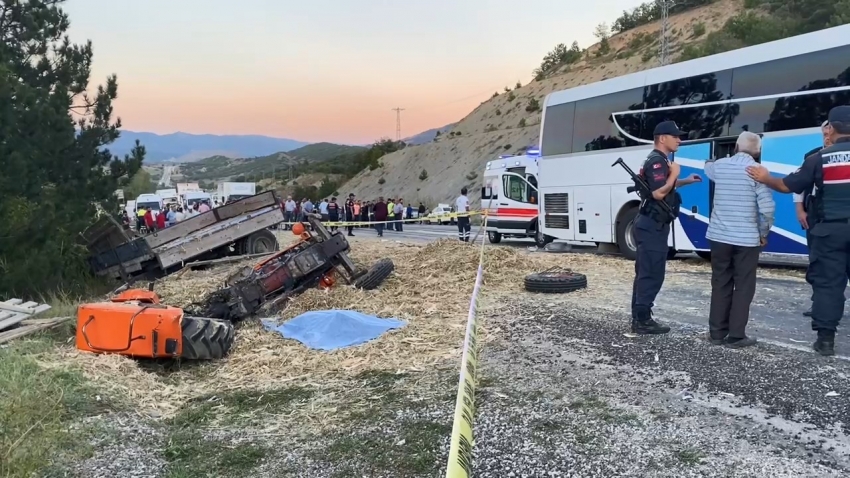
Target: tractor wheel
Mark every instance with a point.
(206, 339)
(260, 242)
(376, 275)
(555, 281)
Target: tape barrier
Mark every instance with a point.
(460, 452)
(390, 221)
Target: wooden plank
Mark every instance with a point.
(196, 223)
(30, 329)
(25, 310)
(182, 251)
(12, 302)
(14, 311)
(14, 319)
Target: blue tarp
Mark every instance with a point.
(333, 329)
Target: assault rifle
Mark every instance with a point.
(642, 188)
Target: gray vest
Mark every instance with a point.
(833, 194)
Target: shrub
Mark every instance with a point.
(650, 54)
(698, 30)
(560, 55)
(511, 96)
(507, 89)
(521, 123)
(490, 128)
(518, 85)
(382, 181)
(495, 94)
(507, 147)
(533, 105)
(498, 112)
(472, 175)
(423, 175)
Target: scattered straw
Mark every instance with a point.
(430, 289)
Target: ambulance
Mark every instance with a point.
(510, 197)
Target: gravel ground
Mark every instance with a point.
(564, 392)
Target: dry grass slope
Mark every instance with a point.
(495, 126)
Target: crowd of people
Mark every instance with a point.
(152, 220)
(373, 214)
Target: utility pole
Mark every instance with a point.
(398, 123)
(664, 54)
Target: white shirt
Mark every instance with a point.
(323, 207)
(462, 204)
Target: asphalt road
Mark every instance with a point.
(776, 311)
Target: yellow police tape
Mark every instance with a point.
(392, 221)
(460, 453)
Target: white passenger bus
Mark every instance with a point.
(781, 90)
(510, 197)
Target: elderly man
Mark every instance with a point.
(741, 217)
(801, 200)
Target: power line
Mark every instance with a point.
(398, 123)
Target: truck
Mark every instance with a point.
(238, 228)
(183, 188)
(169, 196)
(510, 197)
(228, 191)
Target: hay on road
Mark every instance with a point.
(430, 289)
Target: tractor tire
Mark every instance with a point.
(206, 339)
(260, 242)
(376, 275)
(555, 282)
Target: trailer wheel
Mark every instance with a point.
(626, 233)
(555, 281)
(494, 237)
(260, 242)
(376, 275)
(206, 339)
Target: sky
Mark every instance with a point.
(320, 70)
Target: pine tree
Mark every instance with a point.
(56, 174)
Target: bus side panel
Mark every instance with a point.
(689, 231)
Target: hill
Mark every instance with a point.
(274, 166)
(510, 121)
(182, 147)
(427, 136)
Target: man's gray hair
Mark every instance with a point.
(749, 143)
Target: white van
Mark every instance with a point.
(149, 201)
(193, 197)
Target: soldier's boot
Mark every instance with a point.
(643, 324)
(825, 344)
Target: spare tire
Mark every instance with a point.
(555, 281)
(376, 275)
(206, 339)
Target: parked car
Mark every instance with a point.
(440, 215)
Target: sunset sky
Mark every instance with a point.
(320, 70)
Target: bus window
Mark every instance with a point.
(516, 189)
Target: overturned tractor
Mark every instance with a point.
(318, 259)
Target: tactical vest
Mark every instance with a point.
(833, 195)
(652, 208)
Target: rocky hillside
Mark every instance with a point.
(509, 122)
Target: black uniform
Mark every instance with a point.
(349, 214)
(652, 229)
(829, 252)
(807, 196)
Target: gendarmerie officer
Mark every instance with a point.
(829, 251)
(801, 201)
(652, 226)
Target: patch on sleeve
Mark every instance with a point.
(656, 166)
(658, 176)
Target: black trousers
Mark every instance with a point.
(463, 228)
(829, 269)
(733, 285)
(650, 264)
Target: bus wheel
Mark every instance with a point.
(494, 237)
(626, 233)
